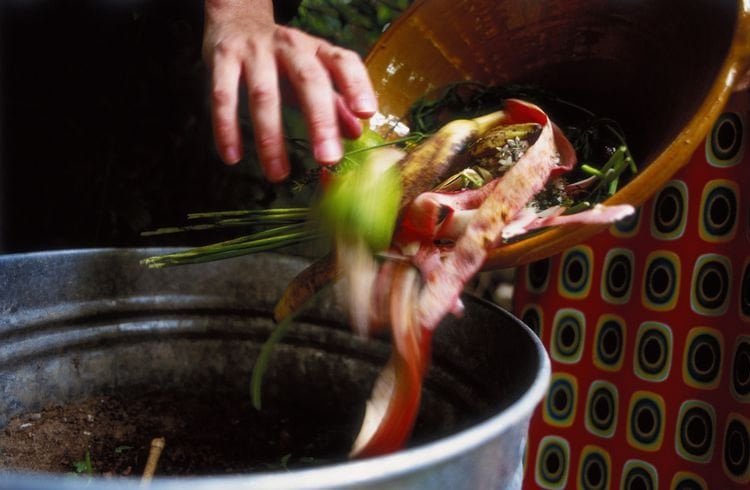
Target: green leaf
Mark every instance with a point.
(364, 202)
(264, 359)
(84, 466)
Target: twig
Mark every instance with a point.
(157, 445)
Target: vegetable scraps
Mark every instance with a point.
(410, 225)
(443, 239)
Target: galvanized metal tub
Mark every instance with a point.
(83, 322)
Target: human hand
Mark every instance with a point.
(241, 41)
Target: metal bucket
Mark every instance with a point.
(88, 322)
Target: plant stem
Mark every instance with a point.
(264, 357)
(235, 219)
(270, 239)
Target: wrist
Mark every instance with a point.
(261, 10)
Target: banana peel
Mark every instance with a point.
(428, 164)
(419, 171)
(305, 284)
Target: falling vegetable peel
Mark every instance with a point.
(407, 246)
(443, 239)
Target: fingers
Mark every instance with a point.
(260, 72)
(331, 85)
(351, 78)
(264, 99)
(224, 96)
(314, 90)
(351, 125)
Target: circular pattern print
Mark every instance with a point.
(653, 352)
(650, 324)
(737, 449)
(601, 409)
(617, 278)
(628, 226)
(724, 146)
(639, 475)
(702, 358)
(696, 428)
(610, 343)
(560, 403)
(661, 281)
(741, 369)
(718, 215)
(552, 462)
(568, 332)
(645, 426)
(537, 275)
(745, 291)
(594, 472)
(669, 211)
(532, 318)
(684, 480)
(710, 285)
(575, 273)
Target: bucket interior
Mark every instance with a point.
(82, 324)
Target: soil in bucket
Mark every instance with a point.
(204, 435)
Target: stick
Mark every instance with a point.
(157, 445)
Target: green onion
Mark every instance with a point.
(264, 356)
(271, 239)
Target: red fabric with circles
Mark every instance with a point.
(693, 399)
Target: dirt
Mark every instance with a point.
(203, 436)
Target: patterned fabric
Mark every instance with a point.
(648, 330)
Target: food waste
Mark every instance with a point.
(410, 226)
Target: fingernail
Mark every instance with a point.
(328, 151)
(231, 154)
(364, 103)
(276, 171)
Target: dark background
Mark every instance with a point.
(105, 120)
(105, 128)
